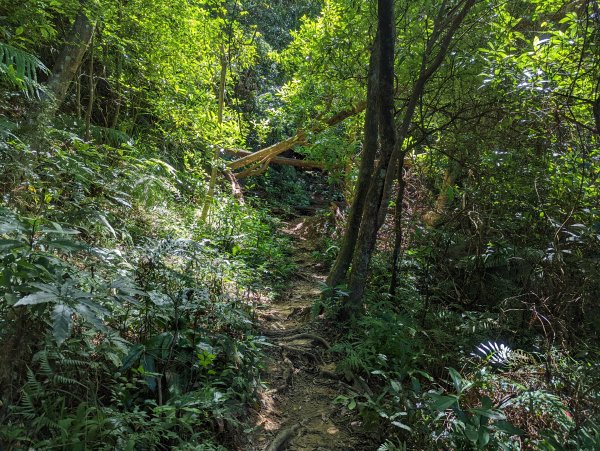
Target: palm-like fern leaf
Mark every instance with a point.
(499, 354)
(19, 68)
(493, 352)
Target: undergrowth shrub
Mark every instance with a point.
(125, 323)
(512, 392)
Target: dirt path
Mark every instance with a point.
(297, 410)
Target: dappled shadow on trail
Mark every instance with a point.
(297, 409)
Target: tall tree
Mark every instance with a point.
(68, 61)
(391, 143)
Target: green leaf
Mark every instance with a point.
(134, 354)
(471, 434)
(64, 245)
(149, 365)
(104, 221)
(58, 229)
(7, 245)
(484, 436)
(442, 402)
(488, 413)
(40, 297)
(401, 426)
(506, 427)
(457, 379)
(62, 323)
(160, 345)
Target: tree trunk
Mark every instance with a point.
(382, 181)
(367, 234)
(344, 257)
(119, 63)
(68, 61)
(215, 155)
(399, 232)
(303, 164)
(596, 110)
(88, 113)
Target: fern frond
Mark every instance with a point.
(499, 354)
(41, 358)
(20, 68)
(64, 380)
(43, 421)
(110, 136)
(74, 363)
(493, 352)
(33, 388)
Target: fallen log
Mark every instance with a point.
(304, 164)
(270, 152)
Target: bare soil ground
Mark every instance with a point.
(297, 410)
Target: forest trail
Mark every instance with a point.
(296, 410)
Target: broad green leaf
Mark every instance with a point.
(40, 297)
(134, 354)
(443, 402)
(160, 345)
(484, 436)
(508, 428)
(62, 322)
(457, 379)
(471, 434)
(488, 413)
(401, 426)
(7, 245)
(64, 245)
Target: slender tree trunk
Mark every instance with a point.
(367, 234)
(367, 163)
(68, 61)
(215, 155)
(78, 94)
(64, 71)
(382, 181)
(88, 112)
(118, 89)
(596, 110)
(399, 232)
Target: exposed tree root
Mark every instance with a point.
(280, 333)
(269, 317)
(329, 375)
(284, 436)
(288, 372)
(307, 277)
(314, 356)
(310, 337)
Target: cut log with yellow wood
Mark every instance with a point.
(304, 164)
(433, 218)
(267, 154)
